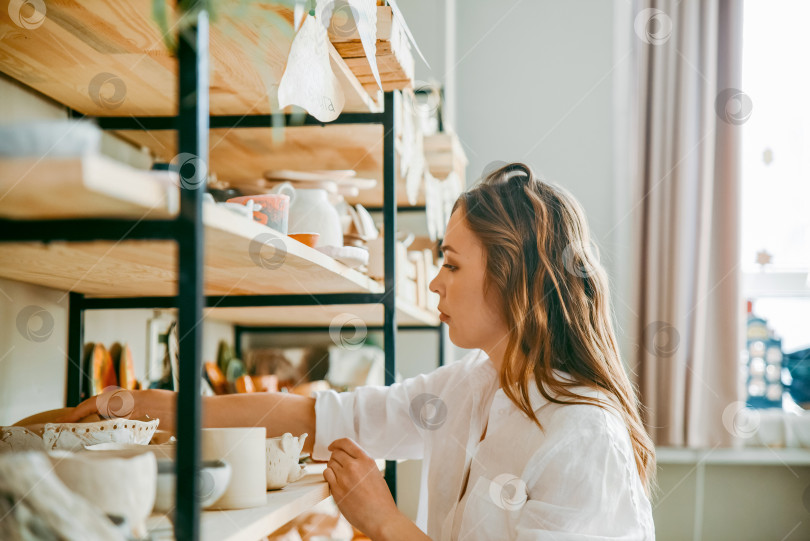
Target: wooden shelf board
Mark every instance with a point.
(92, 186)
(309, 316)
(254, 523)
(240, 259)
(444, 154)
(244, 154)
(109, 59)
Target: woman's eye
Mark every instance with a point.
(451, 268)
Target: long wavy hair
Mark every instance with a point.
(556, 302)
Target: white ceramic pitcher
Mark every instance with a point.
(311, 212)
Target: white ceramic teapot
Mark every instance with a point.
(311, 212)
(282, 460)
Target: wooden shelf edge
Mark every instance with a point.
(254, 523)
(408, 315)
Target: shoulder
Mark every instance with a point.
(585, 428)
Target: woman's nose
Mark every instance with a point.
(434, 284)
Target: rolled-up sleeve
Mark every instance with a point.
(585, 487)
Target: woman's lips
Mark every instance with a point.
(444, 318)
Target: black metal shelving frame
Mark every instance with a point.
(192, 124)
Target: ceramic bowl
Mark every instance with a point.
(18, 438)
(117, 486)
(214, 478)
(126, 450)
(73, 436)
(282, 460)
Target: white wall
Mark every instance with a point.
(33, 369)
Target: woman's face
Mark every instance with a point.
(475, 320)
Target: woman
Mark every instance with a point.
(536, 434)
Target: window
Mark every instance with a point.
(775, 228)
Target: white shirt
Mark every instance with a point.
(576, 481)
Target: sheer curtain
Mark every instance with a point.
(686, 111)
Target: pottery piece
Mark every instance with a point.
(99, 369)
(18, 438)
(272, 210)
(310, 239)
(128, 450)
(72, 436)
(311, 212)
(243, 449)
(282, 460)
(351, 256)
(214, 478)
(124, 365)
(245, 210)
(118, 486)
(37, 502)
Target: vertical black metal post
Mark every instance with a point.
(238, 332)
(74, 349)
(390, 267)
(192, 144)
(441, 344)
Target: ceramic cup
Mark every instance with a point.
(243, 449)
(272, 210)
(213, 481)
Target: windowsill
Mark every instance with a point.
(743, 456)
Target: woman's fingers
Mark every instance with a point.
(329, 475)
(88, 407)
(348, 446)
(341, 457)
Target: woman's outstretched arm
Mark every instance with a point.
(277, 412)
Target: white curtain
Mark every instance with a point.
(685, 121)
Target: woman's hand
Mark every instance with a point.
(124, 404)
(359, 488)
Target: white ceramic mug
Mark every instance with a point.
(243, 449)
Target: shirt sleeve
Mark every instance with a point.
(387, 422)
(586, 487)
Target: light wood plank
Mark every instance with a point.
(241, 257)
(254, 523)
(79, 42)
(91, 186)
(298, 316)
